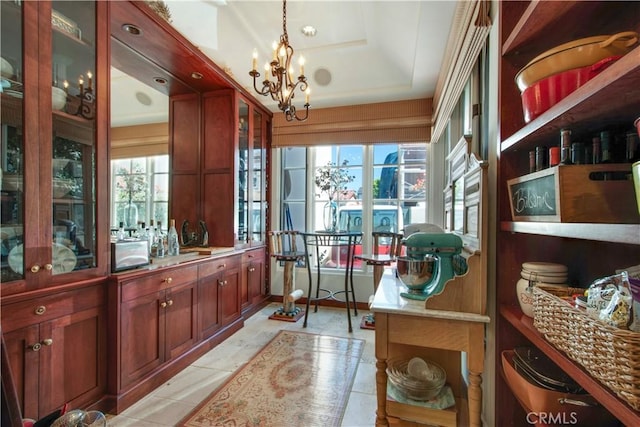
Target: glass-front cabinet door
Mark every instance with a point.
(12, 212)
(73, 138)
(48, 152)
(252, 164)
(258, 190)
(244, 186)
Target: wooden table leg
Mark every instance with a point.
(289, 286)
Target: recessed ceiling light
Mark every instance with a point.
(132, 29)
(160, 80)
(309, 30)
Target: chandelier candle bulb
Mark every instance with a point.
(302, 65)
(66, 87)
(81, 84)
(89, 77)
(254, 63)
(306, 96)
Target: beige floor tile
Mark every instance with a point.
(170, 402)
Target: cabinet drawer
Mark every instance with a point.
(253, 255)
(42, 309)
(218, 265)
(159, 281)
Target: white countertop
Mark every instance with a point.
(388, 300)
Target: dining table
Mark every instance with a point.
(314, 242)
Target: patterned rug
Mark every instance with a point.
(297, 379)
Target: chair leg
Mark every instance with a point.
(353, 293)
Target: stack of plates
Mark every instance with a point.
(425, 388)
(539, 274)
(544, 272)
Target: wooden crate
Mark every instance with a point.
(601, 193)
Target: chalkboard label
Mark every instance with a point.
(534, 196)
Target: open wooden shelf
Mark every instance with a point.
(610, 98)
(616, 233)
(607, 398)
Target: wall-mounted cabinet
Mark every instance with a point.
(53, 143)
(591, 248)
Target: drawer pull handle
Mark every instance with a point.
(170, 302)
(222, 266)
(168, 280)
(40, 310)
(48, 267)
(35, 269)
(47, 342)
(36, 347)
(163, 304)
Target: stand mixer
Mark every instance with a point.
(438, 252)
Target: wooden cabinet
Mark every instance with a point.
(57, 349)
(53, 156)
(218, 294)
(254, 287)
(590, 249)
(158, 321)
(251, 205)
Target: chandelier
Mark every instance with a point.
(282, 88)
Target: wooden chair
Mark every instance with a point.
(283, 248)
(386, 247)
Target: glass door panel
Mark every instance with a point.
(11, 143)
(74, 135)
(257, 180)
(243, 172)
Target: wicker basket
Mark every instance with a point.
(609, 354)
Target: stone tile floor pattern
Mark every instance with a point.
(173, 400)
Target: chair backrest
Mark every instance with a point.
(281, 241)
(390, 241)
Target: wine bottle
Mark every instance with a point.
(172, 239)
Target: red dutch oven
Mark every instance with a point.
(542, 95)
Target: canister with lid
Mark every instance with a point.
(534, 273)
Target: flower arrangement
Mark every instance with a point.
(330, 178)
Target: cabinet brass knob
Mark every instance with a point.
(222, 266)
(225, 283)
(40, 310)
(168, 280)
(252, 269)
(35, 268)
(170, 302)
(163, 304)
(36, 346)
(47, 341)
(48, 267)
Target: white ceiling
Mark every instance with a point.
(375, 51)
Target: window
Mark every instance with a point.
(140, 191)
(387, 188)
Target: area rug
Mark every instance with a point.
(297, 379)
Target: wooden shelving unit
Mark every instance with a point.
(590, 249)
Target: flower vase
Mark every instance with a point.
(131, 215)
(330, 216)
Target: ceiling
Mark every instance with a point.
(363, 52)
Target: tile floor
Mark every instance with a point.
(170, 402)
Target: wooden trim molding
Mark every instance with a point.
(140, 140)
(399, 121)
(469, 32)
